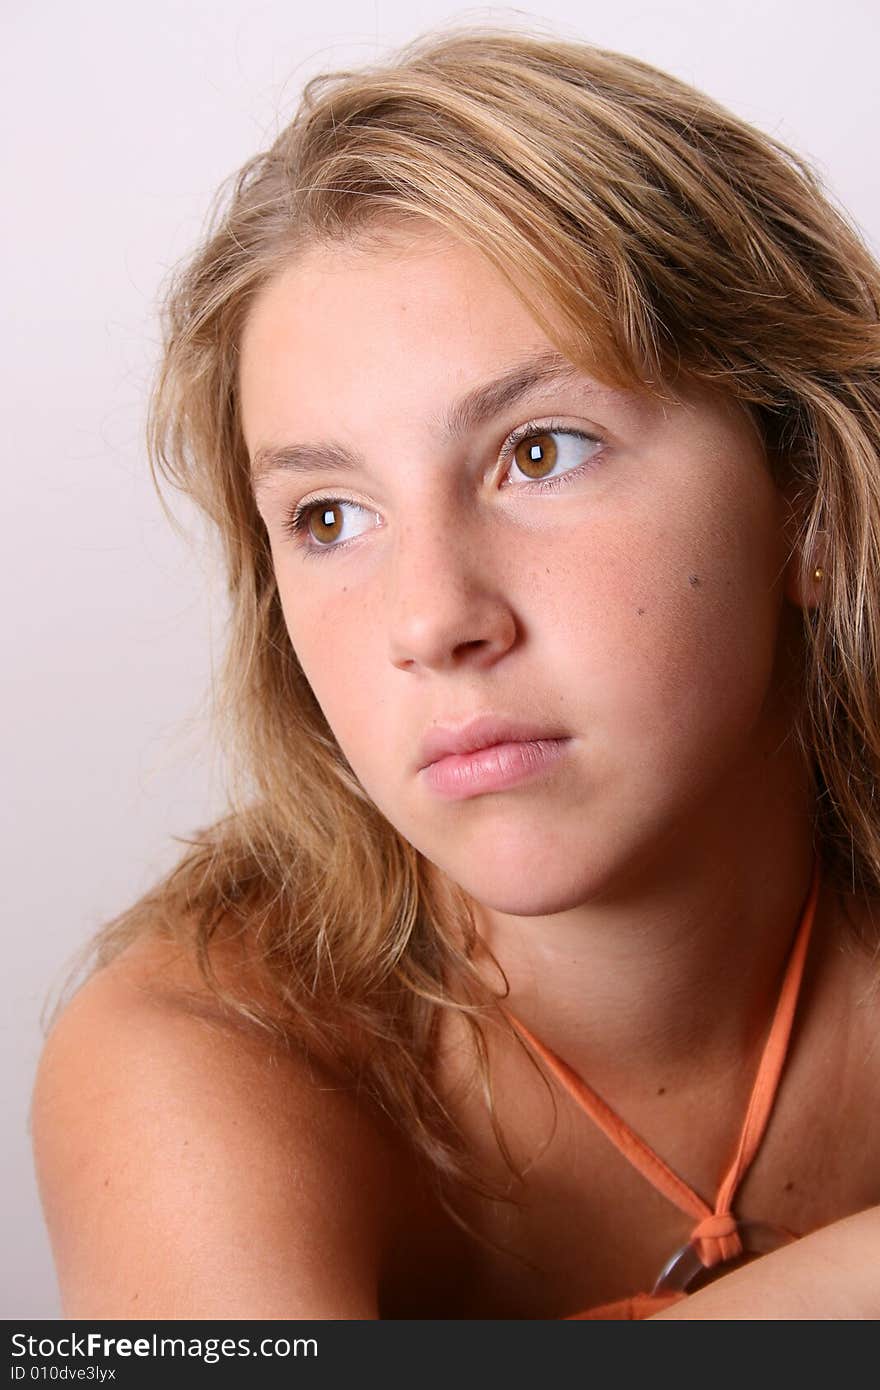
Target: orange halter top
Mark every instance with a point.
(717, 1237)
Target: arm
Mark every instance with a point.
(834, 1273)
(188, 1170)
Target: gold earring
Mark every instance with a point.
(818, 573)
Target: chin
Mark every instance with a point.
(533, 893)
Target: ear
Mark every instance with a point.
(805, 576)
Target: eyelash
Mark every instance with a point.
(295, 524)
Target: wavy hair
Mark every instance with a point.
(655, 238)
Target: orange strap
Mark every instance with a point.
(633, 1309)
(715, 1237)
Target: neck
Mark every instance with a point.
(672, 972)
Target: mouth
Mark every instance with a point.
(493, 768)
(484, 731)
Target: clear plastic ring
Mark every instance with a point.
(680, 1270)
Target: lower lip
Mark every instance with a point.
(492, 769)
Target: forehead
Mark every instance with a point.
(420, 264)
(352, 340)
(401, 279)
(417, 314)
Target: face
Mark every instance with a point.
(607, 568)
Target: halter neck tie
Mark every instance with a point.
(715, 1237)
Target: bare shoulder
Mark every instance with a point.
(191, 1168)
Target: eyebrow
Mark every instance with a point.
(478, 405)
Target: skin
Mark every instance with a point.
(641, 899)
(648, 608)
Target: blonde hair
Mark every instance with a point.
(654, 237)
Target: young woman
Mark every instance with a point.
(532, 973)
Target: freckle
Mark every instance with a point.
(661, 1090)
(694, 580)
(106, 1182)
(789, 1186)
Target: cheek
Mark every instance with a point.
(672, 641)
(334, 644)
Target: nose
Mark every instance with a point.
(446, 597)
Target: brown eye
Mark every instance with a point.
(536, 455)
(318, 527)
(320, 522)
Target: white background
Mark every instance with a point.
(119, 122)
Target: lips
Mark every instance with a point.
(484, 731)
